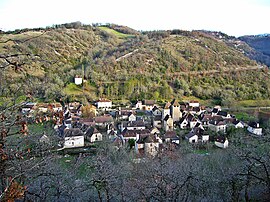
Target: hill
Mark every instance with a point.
(261, 46)
(120, 63)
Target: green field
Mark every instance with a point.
(116, 33)
(253, 103)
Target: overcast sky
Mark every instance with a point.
(233, 17)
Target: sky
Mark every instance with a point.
(233, 17)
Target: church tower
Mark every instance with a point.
(175, 111)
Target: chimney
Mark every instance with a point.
(258, 125)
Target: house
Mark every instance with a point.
(104, 104)
(198, 134)
(149, 105)
(156, 111)
(254, 128)
(168, 123)
(131, 117)
(183, 123)
(154, 130)
(139, 105)
(118, 141)
(151, 146)
(78, 80)
(73, 137)
(224, 114)
(217, 126)
(44, 139)
(238, 124)
(123, 114)
(221, 142)
(28, 107)
(103, 121)
(42, 108)
(133, 125)
(193, 122)
(157, 121)
(194, 103)
(92, 135)
(204, 119)
(192, 137)
(171, 136)
(56, 107)
(215, 110)
(88, 121)
(148, 146)
(166, 110)
(135, 134)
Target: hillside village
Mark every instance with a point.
(146, 127)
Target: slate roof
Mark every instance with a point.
(222, 113)
(139, 123)
(133, 133)
(73, 132)
(103, 119)
(254, 124)
(215, 110)
(91, 131)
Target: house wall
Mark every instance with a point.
(71, 142)
(157, 112)
(256, 131)
(168, 125)
(222, 145)
(205, 138)
(132, 117)
(221, 128)
(165, 112)
(192, 124)
(135, 128)
(96, 137)
(104, 105)
(194, 104)
(176, 141)
(239, 125)
(193, 139)
(78, 81)
(184, 124)
(157, 124)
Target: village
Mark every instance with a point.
(146, 127)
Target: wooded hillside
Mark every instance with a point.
(121, 63)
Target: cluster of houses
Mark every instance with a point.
(147, 127)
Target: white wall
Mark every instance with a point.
(71, 142)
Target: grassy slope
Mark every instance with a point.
(116, 33)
